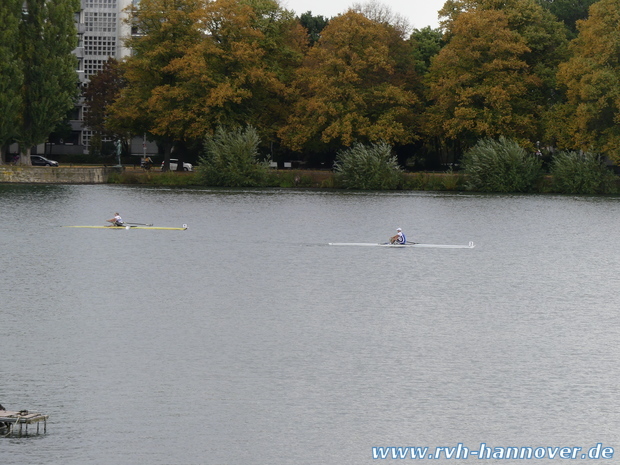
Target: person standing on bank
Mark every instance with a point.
(398, 238)
(116, 221)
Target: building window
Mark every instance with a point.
(97, 21)
(100, 45)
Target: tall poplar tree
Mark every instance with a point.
(11, 76)
(47, 37)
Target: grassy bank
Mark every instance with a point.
(277, 178)
(315, 179)
(289, 178)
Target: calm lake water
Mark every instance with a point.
(248, 340)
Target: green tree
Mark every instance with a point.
(426, 43)
(47, 38)
(314, 25)
(11, 74)
(588, 121)
(568, 11)
(356, 84)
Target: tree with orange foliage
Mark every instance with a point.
(239, 73)
(479, 83)
(166, 29)
(589, 119)
(200, 65)
(355, 85)
(496, 75)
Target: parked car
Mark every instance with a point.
(173, 165)
(38, 160)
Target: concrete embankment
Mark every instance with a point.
(55, 175)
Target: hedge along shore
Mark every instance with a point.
(421, 181)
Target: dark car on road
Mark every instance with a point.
(38, 160)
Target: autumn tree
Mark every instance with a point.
(200, 65)
(167, 29)
(103, 89)
(11, 73)
(496, 75)
(542, 33)
(355, 85)
(240, 73)
(590, 119)
(478, 80)
(47, 37)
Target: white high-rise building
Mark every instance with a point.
(102, 31)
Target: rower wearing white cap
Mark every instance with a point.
(398, 238)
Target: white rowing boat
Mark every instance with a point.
(408, 244)
(130, 227)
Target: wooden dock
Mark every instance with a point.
(10, 421)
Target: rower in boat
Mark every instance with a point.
(398, 238)
(116, 221)
(408, 244)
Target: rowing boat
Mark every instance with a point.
(408, 244)
(130, 227)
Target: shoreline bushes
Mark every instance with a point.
(368, 167)
(581, 173)
(502, 166)
(231, 159)
(493, 165)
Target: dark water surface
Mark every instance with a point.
(248, 340)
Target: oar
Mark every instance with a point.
(141, 224)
